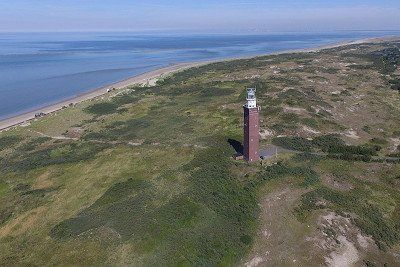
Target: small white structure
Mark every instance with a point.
(251, 98)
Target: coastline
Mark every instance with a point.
(148, 77)
(151, 78)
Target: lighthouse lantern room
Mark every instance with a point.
(251, 127)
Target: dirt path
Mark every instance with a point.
(53, 137)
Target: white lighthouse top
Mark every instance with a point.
(251, 98)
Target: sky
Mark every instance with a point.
(199, 16)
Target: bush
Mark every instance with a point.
(102, 108)
(351, 157)
(34, 143)
(353, 150)
(386, 60)
(331, 144)
(328, 143)
(281, 169)
(395, 84)
(8, 141)
(125, 99)
(311, 122)
(61, 154)
(294, 143)
(214, 92)
(120, 130)
(301, 157)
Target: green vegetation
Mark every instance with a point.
(150, 179)
(102, 108)
(8, 141)
(395, 84)
(294, 143)
(281, 169)
(33, 143)
(330, 144)
(217, 212)
(387, 60)
(385, 230)
(56, 154)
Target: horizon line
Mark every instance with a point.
(197, 31)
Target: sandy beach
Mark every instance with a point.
(150, 78)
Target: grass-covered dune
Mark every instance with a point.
(144, 175)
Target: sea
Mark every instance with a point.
(40, 69)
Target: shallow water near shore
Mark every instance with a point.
(39, 69)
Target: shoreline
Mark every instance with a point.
(151, 78)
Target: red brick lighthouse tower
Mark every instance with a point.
(251, 127)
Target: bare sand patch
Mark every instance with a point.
(351, 134)
(75, 132)
(256, 261)
(346, 255)
(295, 110)
(395, 144)
(310, 130)
(343, 243)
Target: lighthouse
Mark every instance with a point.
(251, 127)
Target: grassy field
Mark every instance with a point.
(144, 176)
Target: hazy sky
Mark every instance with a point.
(200, 15)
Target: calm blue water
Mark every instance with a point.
(38, 69)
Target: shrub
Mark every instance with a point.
(8, 141)
(331, 144)
(386, 60)
(328, 143)
(282, 169)
(102, 108)
(395, 84)
(120, 130)
(295, 143)
(61, 154)
(34, 143)
(214, 92)
(301, 157)
(311, 122)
